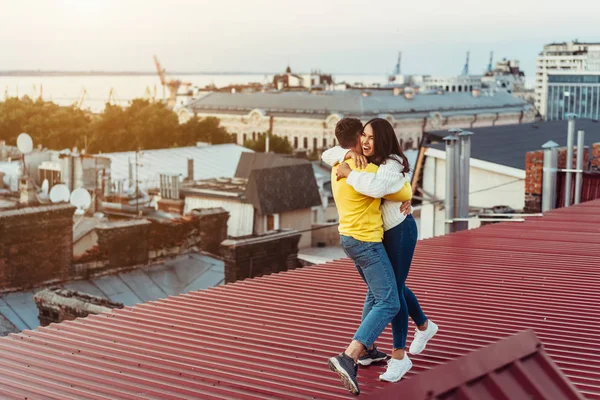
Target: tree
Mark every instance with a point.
(142, 125)
(202, 130)
(277, 144)
(48, 124)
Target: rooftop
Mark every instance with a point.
(212, 161)
(507, 144)
(173, 277)
(272, 183)
(479, 286)
(352, 104)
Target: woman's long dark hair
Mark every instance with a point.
(385, 143)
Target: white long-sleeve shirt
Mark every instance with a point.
(389, 179)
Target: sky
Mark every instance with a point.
(336, 36)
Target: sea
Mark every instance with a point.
(67, 90)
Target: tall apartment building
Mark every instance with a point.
(562, 58)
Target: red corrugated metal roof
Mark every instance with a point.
(513, 368)
(270, 337)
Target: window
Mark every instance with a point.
(314, 144)
(454, 88)
(305, 143)
(253, 136)
(295, 142)
(244, 137)
(324, 143)
(234, 138)
(334, 142)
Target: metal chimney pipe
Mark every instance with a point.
(579, 176)
(450, 181)
(549, 177)
(569, 162)
(464, 178)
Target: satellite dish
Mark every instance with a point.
(81, 199)
(45, 187)
(24, 143)
(59, 193)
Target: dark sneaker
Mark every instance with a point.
(372, 356)
(347, 369)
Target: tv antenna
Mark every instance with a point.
(81, 199)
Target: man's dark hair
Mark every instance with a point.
(347, 131)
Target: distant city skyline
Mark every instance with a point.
(263, 36)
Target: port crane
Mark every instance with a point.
(82, 98)
(172, 84)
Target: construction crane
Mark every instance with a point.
(489, 68)
(398, 69)
(465, 71)
(150, 95)
(172, 84)
(84, 94)
(112, 97)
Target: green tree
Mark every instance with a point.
(143, 124)
(202, 130)
(48, 124)
(277, 144)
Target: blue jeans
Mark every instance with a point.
(376, 270)
(400, 243)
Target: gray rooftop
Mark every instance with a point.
(214, 161)
(180, 275)
(507, 144)
(351, 104)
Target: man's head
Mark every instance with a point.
(347, 132)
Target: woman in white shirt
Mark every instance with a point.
(380, 146)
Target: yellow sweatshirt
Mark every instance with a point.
(360, 216)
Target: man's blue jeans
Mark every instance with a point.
(375, 268)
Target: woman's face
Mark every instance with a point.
(367, 141)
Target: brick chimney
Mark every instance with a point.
(534, 173)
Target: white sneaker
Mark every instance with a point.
(396, 369)
(422, 337)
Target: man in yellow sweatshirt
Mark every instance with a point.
(361, 234)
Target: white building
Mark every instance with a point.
(507, 76)
(308, 120)
(569, 56)
(508, 184)
(451, 84)
(497, 173)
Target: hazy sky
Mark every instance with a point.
(262, 35)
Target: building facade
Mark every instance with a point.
(308, 120)
(451, 84)
(563, 57)
(506, 76)
(573, 92)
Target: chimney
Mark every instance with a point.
(476, 92)
(28, 193)
(190, 167)
(397, 91)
